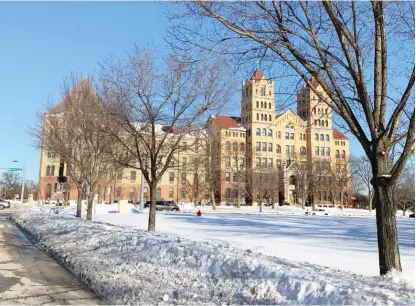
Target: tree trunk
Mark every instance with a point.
(79, 203)
(404, 211)
(152, 210)
(90, 205)
(388, 247)
(370, 200)
(238, 197)
(214, 206)
(261, 206)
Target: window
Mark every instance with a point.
(133, 176)
(317, 151)
(227, 161)
(132, 193)
(337, 154)
(342, 155)
(292, 150)
(118, 192)
(270, 163)
(234, 162)
(322, 137)
(49, 154)
(270, 117)
(233, 134)
(324, 196)
(258, 132)
(278, 149)
(206, 195)
(183, 195)
(264, 146)
(264, 162)
(53, 171)
(322, 151)
(278, 163)
(327, 137)
(304, 136)
(302, 151)
(184, 161)
(227, 177)
(171, 193)
(270, 147)
(279, 135)
(326, 123)
(235, 146)
(257, 104)
(292, 136)
(242, 146)
(227, 193)
(263, 91)
(262, 105)
(48, 171)
(263, 132)
(257, 162)
(235, 177)
(183, 178)
(287, 150)
(262, 117)
(300, 136)
(184, 145)
(286, 135)
(270, 133)
(257, 116)
(327, 151)
(257, 146)
(171, 177)
(270, 106)
(316, 137)
(119, 176)
(241, 162)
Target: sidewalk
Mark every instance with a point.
(28, 276)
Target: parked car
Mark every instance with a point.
(4, 204)
(411, 215)
(319, 212)
(163, 205)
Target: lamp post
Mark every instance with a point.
(23, 180)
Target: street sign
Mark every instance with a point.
(14, 169)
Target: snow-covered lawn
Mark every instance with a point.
(337, 242)
(125, 265)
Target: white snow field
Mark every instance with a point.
(125, 265)
(338, 242)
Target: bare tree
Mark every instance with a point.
(362, 174)
(156, 102)
(73, 130)
(341, 48)
(262, 185)
(341, 178)
(11, 182)
(319, 179)
(234, 156)
(301, 171)
(404, 191)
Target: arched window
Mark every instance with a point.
(343, 154)
(235, 146)
(235, 193)
(326, 123)
(228, 146)
(48, 171)
(257, 116)
(270, 133)
(48, 191)
(278, 149)
(132, 194)
(53, 171)
(322, 137)
(316, 137)
(323, 123)
(145, 194)
(242, 146)
(257, 104)
(261, 116)
(270, 106)
(327, 137)
(171, 193)
(158, 194)
(183, 195)
(324, 195)
(319, 111)
(263, 132)
(270, 117)
(257, 132)
(206, 195)
(302, 151)
(118, 193)
(262, 106)
(315, 122)
(337, 153)
(279, 135)
(227, 193)
(319, 196)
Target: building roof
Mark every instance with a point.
(257, 75)
(84, 85)
(228, 122)
(338, 135)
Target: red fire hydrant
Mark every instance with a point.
(199, 213)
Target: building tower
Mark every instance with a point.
(258, 115)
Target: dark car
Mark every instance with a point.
(4, 204)
(411, 215)
(163, 205)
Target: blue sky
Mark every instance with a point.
(41, 43)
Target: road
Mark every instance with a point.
(30, 277)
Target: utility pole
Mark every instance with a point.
(23, 183)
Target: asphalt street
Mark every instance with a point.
(30, 277)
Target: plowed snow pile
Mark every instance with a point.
(129, 266)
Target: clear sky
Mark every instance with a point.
(41, 43)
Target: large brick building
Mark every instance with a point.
(259, 138)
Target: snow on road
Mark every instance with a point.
(343, 243)
(129, 266)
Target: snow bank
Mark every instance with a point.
(129, 266)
